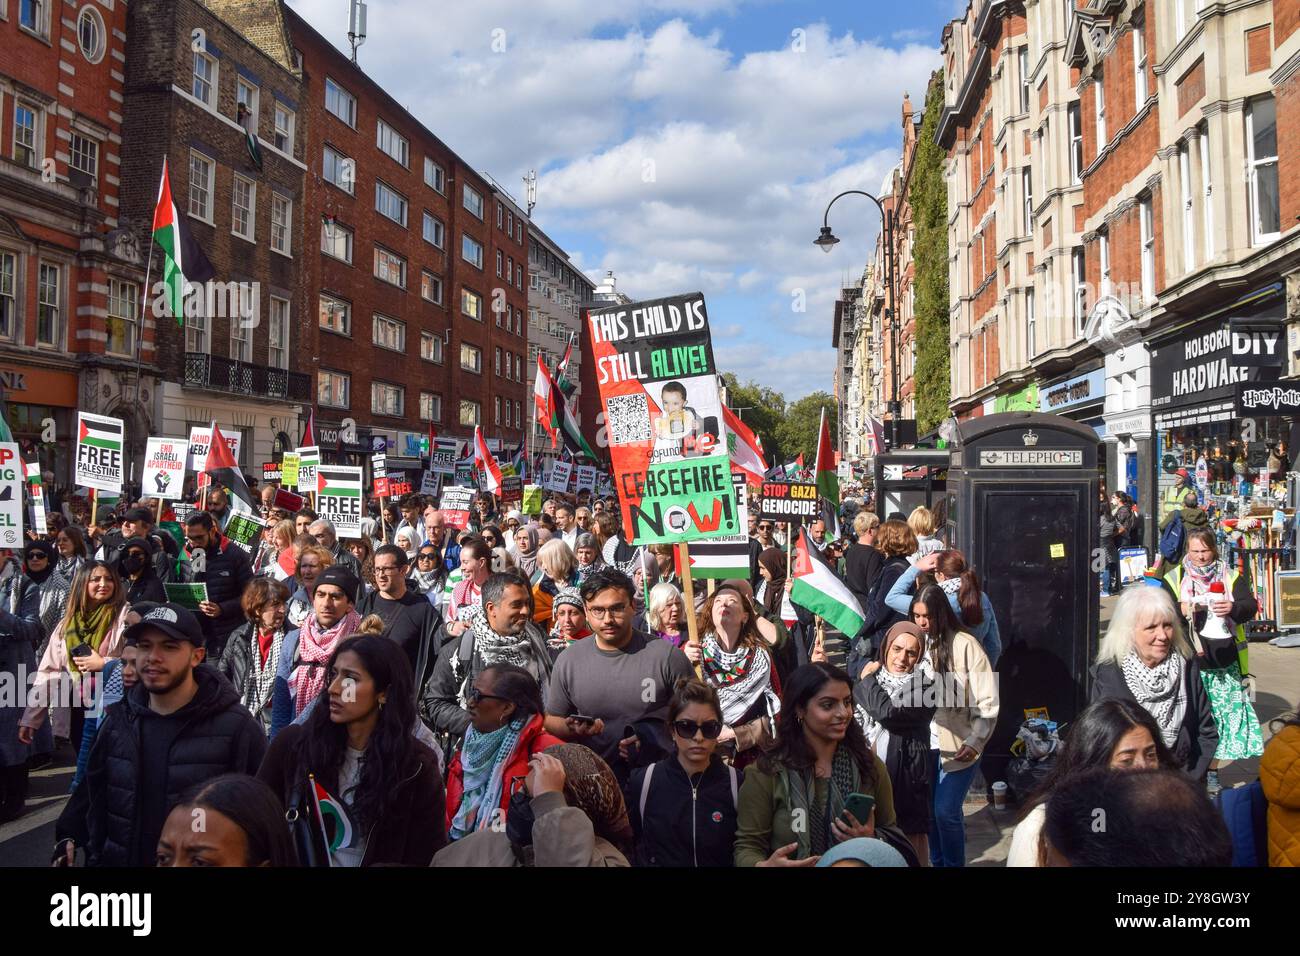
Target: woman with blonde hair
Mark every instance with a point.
(312, 560)
(1144, 656)
(558, 565)
(666, 614)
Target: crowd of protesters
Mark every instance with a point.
(534, 690)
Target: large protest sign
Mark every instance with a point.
(659, 385)
(726, 556)
(443, 461)
(244, 529)
(289, 470)
(604, 485)
(455, 506)
(11, 497)
(201, 439)
(586, 478)
(532, 500)
(99, 452)
(512, 489)
(338, 499)
(37, 490)
(430, 482)
(788, 501)
(557, 479)
(164, 467)
(308, 462)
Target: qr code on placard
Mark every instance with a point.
(627, 419)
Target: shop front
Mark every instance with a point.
(343, 443)
(1080, 397)
(40, 406)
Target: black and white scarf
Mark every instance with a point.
(1159, 690)
(740, 677)
(259, 682)
(901, 689)
(494, 648)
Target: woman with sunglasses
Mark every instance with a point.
(683, 808)
(505, 730)
(428, 575)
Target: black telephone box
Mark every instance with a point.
(1023, 497)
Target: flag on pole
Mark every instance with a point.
(566, 387)
(744, 446)
(336, 826)
(544, 397)
(5, 434)
(828, 481)
(519, 461)
(875, 436)
(247, 120)
(819, 589)
(483, 460)
(309, 433)
(223, 468)
(573, 439)
(183, 259)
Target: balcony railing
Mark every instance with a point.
(241, 378)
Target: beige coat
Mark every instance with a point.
(972, 686)
(562, 836)
(54, 662)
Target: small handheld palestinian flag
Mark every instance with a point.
(336, 825)
(819, 589)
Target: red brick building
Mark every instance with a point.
(70, 273)
(415, 270)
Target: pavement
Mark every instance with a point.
(29, 840)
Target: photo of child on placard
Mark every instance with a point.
(677, 420)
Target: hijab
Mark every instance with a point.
(526, 558)
(51, 560)
(774, 560)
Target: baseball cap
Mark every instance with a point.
(341, 578)
(1182, 473)
(172, 619)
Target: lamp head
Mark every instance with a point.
(826, 240)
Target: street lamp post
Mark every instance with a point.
(827, 240)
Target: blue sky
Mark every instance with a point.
(683, 144)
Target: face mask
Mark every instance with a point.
(133, 564)
(410, 556)
(520, 819)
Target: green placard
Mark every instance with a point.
(289, 470)
(532, 504)
(187, 595)
(685, 501)
(243, 529)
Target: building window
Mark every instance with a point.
(389, 202)
(434, 231)
(336, 241)
(470, 412)
(90, 34)
(339, 169)
(471, 358)
(1207, 189)
(431, 347)
(496, 403)
(340, 102)
(1076, 144)
(8, 294)
(281, 222)
(246, 95)
(390, 267)
(1027, 188)
(26, 149)
(471, 250)
(501, 260)
(1147, 226)
(49, 315)
(430, 407)
(85, 155)
(197, 338)
(123, 311)
(333, 388)
(1189, 214)
(202, 170)
(434, 176)
(241, 335)
(284, 120)
(386, 399)
(471, 304)
(1079, 277)
(389, 333)
(472, 199)
(204, 86)
(1261, 160)
(510, 223)
(1100, 86)
(277, 334)
(1023, 57)
(1031, 326)
(32, 16)
(497, 360)
(335, 314)
(1103, 255)
(1139, 65)
(431, 287)
(243, 203)
(392, 142)
(510, 270)
(500, 214)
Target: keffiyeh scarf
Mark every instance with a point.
(950, 586)
(844, 780)
(494, 648)
(901, 689)
(314, 649)
(740, 677)
(482, 760)
(1159, 690)
(259, 681)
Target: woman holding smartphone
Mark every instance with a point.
(797, 801)
(683, 808)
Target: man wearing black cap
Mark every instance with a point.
(181, 725)
(305, 653)
(224, 567)
(138, 522)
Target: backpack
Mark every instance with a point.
(650, 771)
(1171, 539)
(1243, 810)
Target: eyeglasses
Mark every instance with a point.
(391, 569)
(426, 556)
(765, 527)
(37, 556)
(614, 610)
(689, 728)
(474, 696)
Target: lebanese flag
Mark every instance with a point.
(744, 447)
(828, 482)
(819, 589)
(544, 398)
(183, 259)
(223, 468)
(483, 460)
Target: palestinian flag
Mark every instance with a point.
(573, 440)
(744, 447)
(224, 471)
(828, 482)
(336, 825)
(485, 462)
(248, 123)
(723, 558)
(519, 461)
(183, 260)
(100, 432)
(819, 589)
(545, 397)
(566, 387)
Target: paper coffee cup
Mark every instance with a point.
(1000, 794)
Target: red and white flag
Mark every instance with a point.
(484, 461)
(745, 448)
(547, 401)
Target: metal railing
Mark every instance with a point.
(242, 378)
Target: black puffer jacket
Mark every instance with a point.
(687, 821)
(227, 573)
(907, 757)
(216, 735)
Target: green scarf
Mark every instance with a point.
(815, 838)
(86, 628)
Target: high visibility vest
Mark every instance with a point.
(1173, 500)
(1175, 579)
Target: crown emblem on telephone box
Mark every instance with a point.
(1030, 439)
